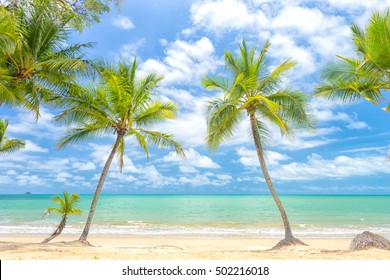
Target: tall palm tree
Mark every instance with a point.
(37, 62)
(66, 207)
(8, 146)
(121, 105)
(258, 94)
(368, 75)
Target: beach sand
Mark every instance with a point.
(179, 248)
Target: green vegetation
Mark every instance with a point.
(81, 13)
(66, 207)
(8, 146)
(120, 104)
(368, 75)
(255, 95)
(36, 63)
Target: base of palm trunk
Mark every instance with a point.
(50, 238)
(288, 242)
(81, 242)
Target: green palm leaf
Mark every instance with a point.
(367, 77)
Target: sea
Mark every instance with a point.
(311, 216)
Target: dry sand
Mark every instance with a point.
(182, 248)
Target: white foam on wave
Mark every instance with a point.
(135, 229)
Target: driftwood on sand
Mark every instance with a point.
(367, 240)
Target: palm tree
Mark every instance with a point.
(259, 95)
(65, 208)
(8, 146)
(82, 13)
(37, 63)
(368, 75)
(121, 105)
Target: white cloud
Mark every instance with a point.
(185, 62)
(249, 157)
(305, 20)
(348, 5)
(317, 168)
(63, 177)
(284, 46)
(224, 15)
(129, 51)
(357, 125)
(123, 22)
(26, 179)
(189, 128)
(83, 166)
(31, 147)
(44, 128)
(194, 159)
(187, 169)
(206, 179)
(163, 42)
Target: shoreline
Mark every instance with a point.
(110, 247)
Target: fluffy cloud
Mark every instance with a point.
(305, 21)
(206, 179)
(185, 62)
(129, 51)
(31, 147)
(189, 127)
(224, 15)
(357, 4)
(123, 23)
(194, 159)
(44, 128)
(317, 168)
(83, 166)
(249, 157)
(284, 46)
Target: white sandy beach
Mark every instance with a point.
(183, 248)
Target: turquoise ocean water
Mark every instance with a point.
(204, 215)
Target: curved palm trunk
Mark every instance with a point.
(99, 187)
(289, 239)
(58, 230)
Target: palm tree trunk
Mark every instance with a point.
(288, 236)
(58, 230)
(99, 187)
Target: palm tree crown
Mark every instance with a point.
(123, 105)
(67, 205)
(8, 146)
(257, 93)
(36, 62)
(254, 92)
(368, 75)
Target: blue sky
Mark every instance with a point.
(184, 41)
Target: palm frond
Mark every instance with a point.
(294, 107)
(8, 146)
(223, 119)
(161, 140)
(155, 113)
(141, 141)
(120, 153)
(77, 135)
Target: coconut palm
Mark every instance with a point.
(83, 13)
(255, 95)
(368, 75)
(8, 146)
(37, 63)
(121, 105)
(66, 207)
